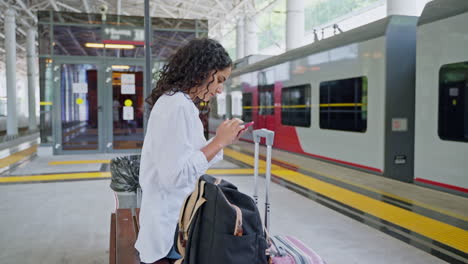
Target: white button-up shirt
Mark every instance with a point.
(171, 163)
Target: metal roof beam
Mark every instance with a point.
(222, 6)
(54, 5)
(191, 3)
(163, 9)
(68, 7)
(191, 11)
(229, 16)
(17, 45)
(27, 10)
(86, 6)
(264, 9)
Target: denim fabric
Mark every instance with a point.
(173, 254)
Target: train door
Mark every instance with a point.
(125, 101)
(78, 119)
(266, 101)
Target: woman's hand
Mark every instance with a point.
(229, 131)
(226, 133)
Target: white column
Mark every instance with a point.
(405, 7)
(240, 38)
(294, 24)
(31, 55)
(10, 65)
(251, 38)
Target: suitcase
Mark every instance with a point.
(283, 249)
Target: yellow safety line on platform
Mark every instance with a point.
(406, 200)
(232, 171)
(69, 162)
(55, 177)
(447, 234)
(18, 156)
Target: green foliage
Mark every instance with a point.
(272, 26)
(319, 12)
(229, 43)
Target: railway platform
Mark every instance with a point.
(56, 209)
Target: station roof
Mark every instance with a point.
(221, 14)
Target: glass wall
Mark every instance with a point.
(111, 40)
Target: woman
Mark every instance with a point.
(175, 152)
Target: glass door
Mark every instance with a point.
(127, 102)
(77, 97)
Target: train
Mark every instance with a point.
(390, 98)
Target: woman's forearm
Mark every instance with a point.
(211, 149)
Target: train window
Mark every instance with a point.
(247, 107)
(295, 106)
(453, 102)
(343, 104)
(266, 99)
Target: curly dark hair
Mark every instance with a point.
(189, 67)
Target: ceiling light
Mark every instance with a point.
(120, 67)
(109, 46)
(94, 45)
(119, 46)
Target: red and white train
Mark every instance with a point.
(353, 99)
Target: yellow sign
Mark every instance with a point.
(79, 101)
(128, 102)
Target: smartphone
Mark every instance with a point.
(246, 126)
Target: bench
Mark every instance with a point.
(123, 233)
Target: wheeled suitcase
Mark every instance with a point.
(284, 249)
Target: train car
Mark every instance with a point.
(441, 136)
(348, 99)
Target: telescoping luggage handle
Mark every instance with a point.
(269, 138)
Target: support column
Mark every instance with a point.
(240, 38)
(405, 7)
(10, 65)
(294, 24)
(32, 74)
(250, 39)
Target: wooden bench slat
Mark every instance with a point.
(112, 240)
(126, 237)
(137, 215)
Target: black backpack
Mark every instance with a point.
(220, 225)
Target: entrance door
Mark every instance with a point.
(127, 100)
(79, 111)
(266, 101)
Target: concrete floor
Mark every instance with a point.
(60, 222)
(68, 222)
(40, 164)
(335, 237)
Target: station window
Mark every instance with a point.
(343, 104)
(295, 106)
(247, 107)
(453, 102)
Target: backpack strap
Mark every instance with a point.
(192, 203)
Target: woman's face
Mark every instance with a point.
(216, 85)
